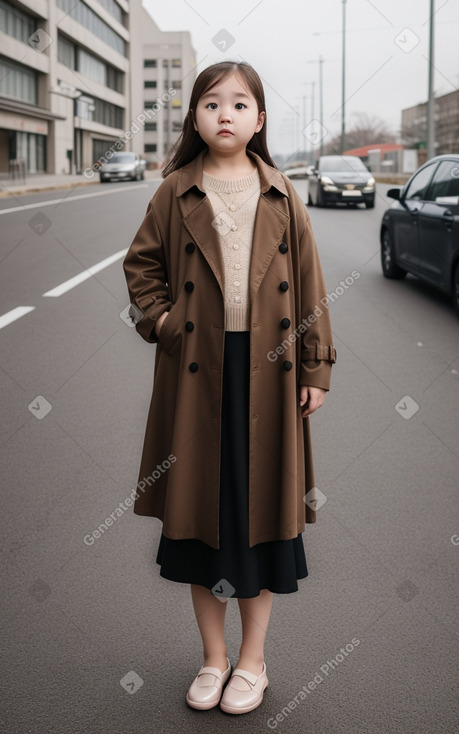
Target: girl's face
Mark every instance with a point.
(231, 106)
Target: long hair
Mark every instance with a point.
(190, 143)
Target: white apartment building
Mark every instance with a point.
(75, 74)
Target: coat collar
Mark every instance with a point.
(271, 219)
(191, 175)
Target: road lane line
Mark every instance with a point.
(77, 279)
(15, 314)
(69, 199)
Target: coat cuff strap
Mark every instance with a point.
(319, 352)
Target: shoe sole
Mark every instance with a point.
(202, 706)
(245, 709)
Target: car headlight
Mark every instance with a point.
(326, 180)
(370, 182)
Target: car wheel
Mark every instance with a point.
(389, 266)
(456, 289)
(143, 176)
(103, 180)
(370, 204)
(310, 201)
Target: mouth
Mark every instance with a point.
(225, 132)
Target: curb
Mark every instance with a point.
(46, 187)
(54, 187)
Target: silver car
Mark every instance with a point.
(122, 166)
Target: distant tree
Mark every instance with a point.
(365, 131)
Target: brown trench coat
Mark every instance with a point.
(175, 263)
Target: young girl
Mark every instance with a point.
(224, 277)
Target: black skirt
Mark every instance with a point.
(274, 565)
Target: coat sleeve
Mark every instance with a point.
(318, 353)
(146, 276)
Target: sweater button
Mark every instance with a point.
(283, 285)
(287, 365)
(193, 366)
(285, 323)
(232, 207)
(283, 247)
(189, 286)
(190, 247)
(189, 326)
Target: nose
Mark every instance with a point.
(225, 115)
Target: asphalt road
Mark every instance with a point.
(94, 640)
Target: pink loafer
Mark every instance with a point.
(244, 691)
(206, 689)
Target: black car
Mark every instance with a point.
(420, 231)
(341, 179)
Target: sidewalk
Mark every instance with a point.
(48, 182)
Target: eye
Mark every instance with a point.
(240, 105)
(210, 105)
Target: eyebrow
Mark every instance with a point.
(215, 94)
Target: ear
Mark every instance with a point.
(261, 119)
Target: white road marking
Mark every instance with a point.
(15, 314)
(69, 199)
(77, 279)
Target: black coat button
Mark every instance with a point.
(190, 247)
(285, 323)
(283, 247)
(283, 285)
(287, 365)
(193, 366)
(189, 285)
(189, 326)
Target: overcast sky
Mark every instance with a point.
(387, 49)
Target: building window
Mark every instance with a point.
(97, 110)
(149, 148)
(15, 23)
(176, 63)
(66, 52)
(80, 12)
(18, 81)
(176, 127)
(114, 9)
(150, 126)
(78, 59)
(151, 103)
(149, 63)
(149, 85)
(91, 67)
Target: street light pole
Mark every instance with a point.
(431, 101)
(343, 81)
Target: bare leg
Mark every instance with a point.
(210, 616)
(255, 613)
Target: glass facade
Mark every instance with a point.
(18, 82)
(30, 147)
(76, 58)
(114, 9)
(15, 22)
(80, 12)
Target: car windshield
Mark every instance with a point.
(341, 163)
(122, 158)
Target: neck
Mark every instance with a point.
(236, 165)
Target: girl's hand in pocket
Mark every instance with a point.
(313, 396)
(159, 322)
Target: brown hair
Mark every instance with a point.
(190, 143)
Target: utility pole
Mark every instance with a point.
(343, 82)
(431, 102)
(321, 103)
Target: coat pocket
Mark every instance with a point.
(170, 333)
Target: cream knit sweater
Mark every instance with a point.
(234, 204)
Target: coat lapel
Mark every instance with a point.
(271, 219)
